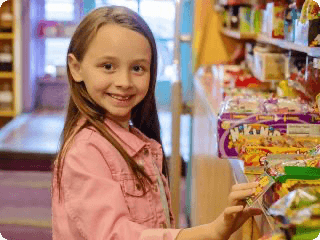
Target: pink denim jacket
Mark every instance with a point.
(100, 196)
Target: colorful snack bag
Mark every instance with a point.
(275, 168)
(299, 207)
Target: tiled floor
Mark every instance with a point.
(25, 203)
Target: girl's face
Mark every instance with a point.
(115, 70)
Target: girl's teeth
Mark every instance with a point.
(119, 98)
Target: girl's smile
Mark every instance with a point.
(121, 100)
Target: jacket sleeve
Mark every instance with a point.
(94, 201)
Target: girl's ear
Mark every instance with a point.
(75, 68)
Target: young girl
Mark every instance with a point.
(110, 177)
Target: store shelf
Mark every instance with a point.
(7, 114)
(6, 74)
(311, 51)
(238, 35)
(6, 36)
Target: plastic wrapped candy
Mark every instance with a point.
(299, 207)
(276, 168)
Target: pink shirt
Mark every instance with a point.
(101, 198)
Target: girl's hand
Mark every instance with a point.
(235, 215)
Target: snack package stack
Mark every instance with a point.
(271, 154)
(257, 115)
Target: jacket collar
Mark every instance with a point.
(132, 141)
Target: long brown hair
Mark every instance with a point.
(144, 116)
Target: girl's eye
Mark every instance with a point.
(108, 66)
(138, 68)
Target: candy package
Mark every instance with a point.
(298, 207)
(255, 156)
(279, 141)
(265, 182)
(276, 168)
(286, 105)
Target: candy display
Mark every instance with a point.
(270, 114)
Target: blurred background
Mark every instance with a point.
(34, 38)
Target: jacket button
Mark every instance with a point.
(146, 151)
(141, 164)
(155, 188)
(138, 186)
(163, 225)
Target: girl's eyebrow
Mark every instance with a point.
(142, 60)
(107, 57)
(116, 59)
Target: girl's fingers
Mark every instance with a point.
(232, 210)
(251, 211)
(246, 214)
(229, 212)
(240, 195)
(244, 186)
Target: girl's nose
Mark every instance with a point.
(123, 79)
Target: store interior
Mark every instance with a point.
(245, 108)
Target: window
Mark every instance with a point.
(56, 51)
(56, 48)
(132, 4)
(59, 10)
(160, 15)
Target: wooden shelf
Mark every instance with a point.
(311, 51)
(238, 35)
(7, 114)
(6, 36)
(6, 74)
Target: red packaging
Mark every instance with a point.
(313, 76)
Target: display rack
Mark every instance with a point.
(13, 77)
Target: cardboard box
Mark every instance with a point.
(269, 66)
